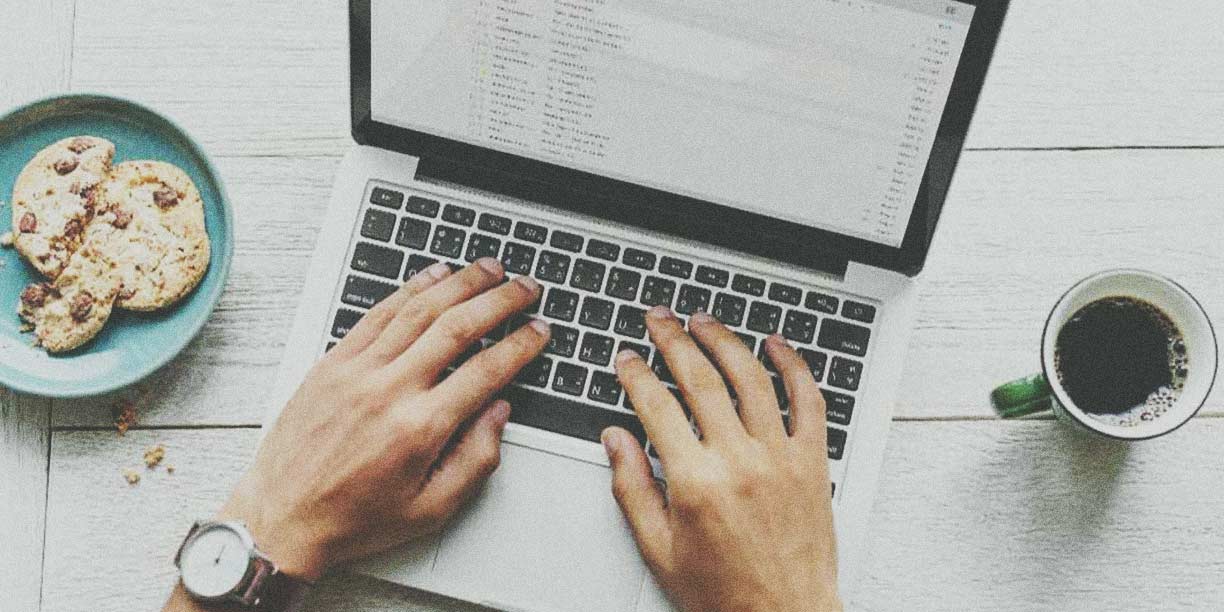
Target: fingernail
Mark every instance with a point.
(777, 338)
(701, 318)
(627, 355)
(540, 326)
(500, 411)
(439, 270)
(492, 266)
(528, 283)
(611, 442)
(659, 312)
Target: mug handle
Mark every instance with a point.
(1023, 397)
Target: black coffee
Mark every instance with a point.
(1121, 359)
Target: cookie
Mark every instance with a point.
(69, 311)
(53, 200)
(149, 226)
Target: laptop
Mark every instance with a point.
(780, 164)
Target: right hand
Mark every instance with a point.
(747, 522)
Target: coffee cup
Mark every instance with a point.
(1102, 352)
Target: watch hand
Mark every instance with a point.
(219, 553)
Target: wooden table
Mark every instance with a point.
(1099, 142)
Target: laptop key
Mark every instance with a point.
(845, 373)
(413, 233)
(596, 312)
(659, 366)
(845, 337)
(692, 299)
(786, 294)
(518, 258)
(729, 309)
(563, 341)
(570, 378)
(386, 197)
(378, 225)
(638, 258)
(364, 292)
(344, 322)
(458, 215)
(779, 387)
(839, 407)
(623, 284)
(748, 284)
(482, 246)
(566, 241)
(596, 349)
(530, 232)
(631, 321)
(447, 241)
(561, 304)
(330, 346)
(602, 250)
(605, 388)
(417, 264)
(763, 355)
(552, 267)
(422, 206)
(837, 443)
(712, 276)
(815, 362)
(497, 224)
(535, 373)
(641, 349)
(568, 417)
(588, 275)
(799, 326)
(658, 291)
(377, 260)
(764, 317)
(858, 311)
(821, 302)
(675, 267)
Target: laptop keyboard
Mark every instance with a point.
(596, 294)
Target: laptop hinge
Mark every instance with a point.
(627, 211)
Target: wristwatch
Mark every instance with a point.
(219, 563)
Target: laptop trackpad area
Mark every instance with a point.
(545, 534)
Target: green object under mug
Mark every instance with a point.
(1043, 391)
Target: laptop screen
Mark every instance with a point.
(818, 112)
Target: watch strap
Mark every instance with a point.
(271, 590)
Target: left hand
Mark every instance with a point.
(376, 447)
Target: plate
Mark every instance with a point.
(131, 345)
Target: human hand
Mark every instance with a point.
(747, 522)
(373, 450)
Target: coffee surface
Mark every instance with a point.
(1121, 356)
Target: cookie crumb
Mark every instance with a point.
(131, 476)
(154, 455)
(6, 239)
(125, 416)
(169, 468)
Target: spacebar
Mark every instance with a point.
(567, 417)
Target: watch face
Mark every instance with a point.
(214, 562)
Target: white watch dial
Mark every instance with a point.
(215, 562)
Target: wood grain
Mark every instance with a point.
(981, 515)
(35, 61)
(273, 80)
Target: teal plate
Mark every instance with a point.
(132, 345)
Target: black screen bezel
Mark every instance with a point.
(688, 217)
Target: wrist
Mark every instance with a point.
(293, 547)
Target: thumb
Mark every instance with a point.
(639, 496)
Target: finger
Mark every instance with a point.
(459, 327)
(807, 405)
(414, 316)
(637, 493)
(758, 407)
(475, 382)
(703, 387)
(660, 413)
(463, 469)
(374, 321)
